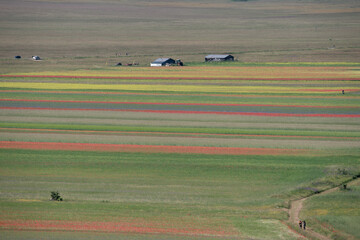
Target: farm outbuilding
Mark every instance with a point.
(162, 62)
(218, 58)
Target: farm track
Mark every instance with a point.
(294, 211)
(297, 206)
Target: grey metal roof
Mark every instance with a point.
(161, 60)
(217, 56)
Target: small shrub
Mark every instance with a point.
(344, 187)
(343, 171)
(55, 196)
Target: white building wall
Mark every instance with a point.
(155, 65)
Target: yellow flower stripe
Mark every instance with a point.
(159, 88)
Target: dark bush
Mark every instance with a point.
(55, 196)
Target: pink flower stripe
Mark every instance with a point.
(182, 78)
(196, 112)
(183, 104)
(121, 227)
(149, 148)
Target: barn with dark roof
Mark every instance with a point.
(162, 62)
(218, 58)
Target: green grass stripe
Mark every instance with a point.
(282, 132)
(340, 101)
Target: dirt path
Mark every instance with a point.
(296, 207)
(294, 211)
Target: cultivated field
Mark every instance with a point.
(176, 153)
(205, 151)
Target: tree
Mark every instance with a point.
(55, 196)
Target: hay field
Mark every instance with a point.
(97, 34)
(179, 154)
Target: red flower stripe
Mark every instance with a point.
(124, 227)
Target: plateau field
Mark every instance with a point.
(233, 150)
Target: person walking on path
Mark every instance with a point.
(304, 225)
(300, 224)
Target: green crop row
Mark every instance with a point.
(229, 99)
(202, 130)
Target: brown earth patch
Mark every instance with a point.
(122, 227)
